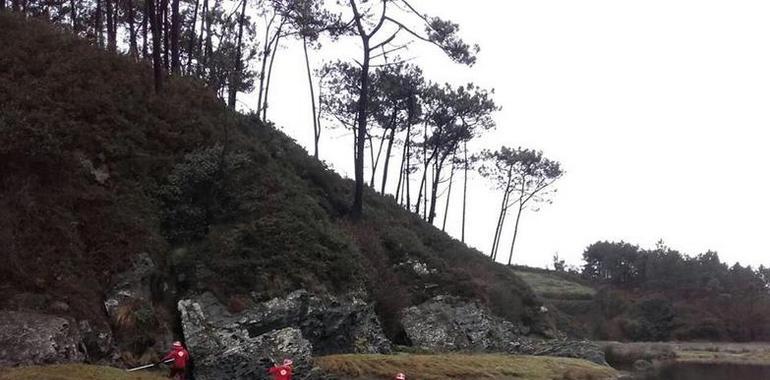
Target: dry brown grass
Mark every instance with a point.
(75, 372)
(461, 366)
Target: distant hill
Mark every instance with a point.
(96, 169)
(680, 298)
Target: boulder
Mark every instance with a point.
(446, 323)
(31, 338)
(239, 345)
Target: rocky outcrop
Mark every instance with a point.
(31, 338)
(447, 323)
(238, 345)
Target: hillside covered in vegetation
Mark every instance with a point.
(624, 292)
(96, 168)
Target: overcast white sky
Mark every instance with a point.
(657, 109)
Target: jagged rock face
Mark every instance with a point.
(448, 324)
(237, 346)
(31, 338)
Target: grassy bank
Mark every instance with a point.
(75, 372)
(457, 366)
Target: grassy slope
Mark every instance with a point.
(550, 285)
(572, 298)
(436, 367)
(75, 372)
(222, 202)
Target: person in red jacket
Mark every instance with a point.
(179, 357)
(400, 376)
(282, 372)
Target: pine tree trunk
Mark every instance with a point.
(403, 173)
(387, 153)
(465, 189)
(515, 233)
(203, 50)
(363, 101)
(133, 49)
(419, 193)
(97, 25)
(235, 78)
(316, 131)
(175, 28)
(145, 51)
(499, 226)
(155, 21)
(193, 35)
(400, 184)
(166, 27)
(73, 14)
(501, 217)
(518, 218)
(265, 54)
(376, 162)
(410, 121)
(438, 167)
(270, 71)
(448, 195)
(112, 45)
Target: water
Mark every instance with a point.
(710, 371)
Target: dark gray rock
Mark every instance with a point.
(579, 349)
(447, 323)
(236, 346)
(332, 324)
(31, 338)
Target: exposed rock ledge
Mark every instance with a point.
(446, 323)
(31, 338)
(238, 346)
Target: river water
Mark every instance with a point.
(709, 371)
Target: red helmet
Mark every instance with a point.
(177, 344)
(400, 376)
(287, 362)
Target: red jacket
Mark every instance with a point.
(280, 372)
(180, 356)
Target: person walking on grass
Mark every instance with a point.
(178, 358)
